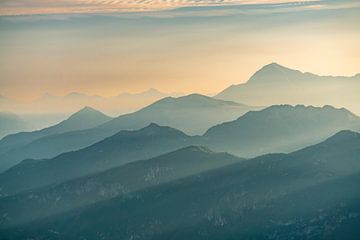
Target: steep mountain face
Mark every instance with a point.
(11, 123)
(121, 148)
(282, 128)
(14, 148)
(275, 84)
(115, 182)
(310, 194)
(194, 114)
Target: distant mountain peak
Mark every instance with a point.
(155, 129)
(307, 107)
(196, 148)
(274, 72)
(150, 130)
(342, 136)
(276, 67)
(87, 112)
(273, 65)
(193, 100)
(87, 109)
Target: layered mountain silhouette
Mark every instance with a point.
(85, 118)
(276, 84)
(16, 147)
(280, 128)
(309, 194)
(193, 114)
(121, 148)
(11, 123)
(118, 181)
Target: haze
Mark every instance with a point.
(195, 49)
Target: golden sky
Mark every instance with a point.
(20, 7)
(201, 49)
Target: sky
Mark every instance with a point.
(108, 47)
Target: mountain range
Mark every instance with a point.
(282, 128)
(279, 128)
(85, 118)
(192, 114)
(122, 180)
(191, 167)
(308, 194)
(123, 147)
(275, 84)
(275, 129)
(11, 144)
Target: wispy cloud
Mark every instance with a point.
(31, 7)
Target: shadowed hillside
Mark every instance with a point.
(309, 194)
(118, 181)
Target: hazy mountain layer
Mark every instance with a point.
(85, 118)
(275, 84)
(193, 114)
(121, 148)
(281, 128)
(17, 147)
(118, 181)
(274, 129)
(309, 194)
(52, 104)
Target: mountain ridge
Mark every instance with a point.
(275, 84)
(124, 147)
(243, 200)
(83, 119)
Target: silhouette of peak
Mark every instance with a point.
(153, 126)
(152, 129)
(87, 109)
(155, 129)
(86, 113)
(275, 67)
(192, 100)
(309, 108)
(342, 136)
(196, 148)
(274, 72)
